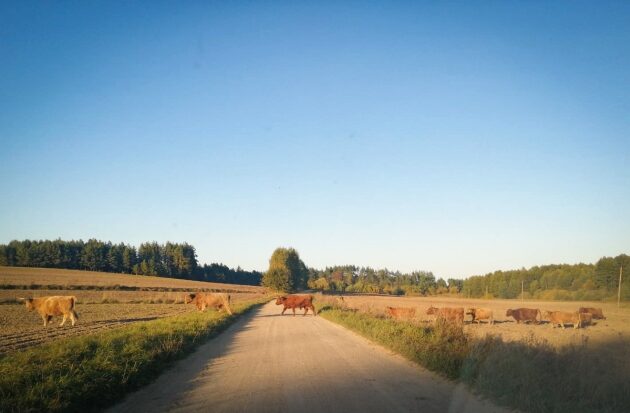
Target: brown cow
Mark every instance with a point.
(400, 313)
(214, 300)
(586, 319)
(446, 313)
(47, 307)
(596, 312)
(296, 301)
(524, 314)
(479, 314)
(562, 317)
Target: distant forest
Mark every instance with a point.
(150, 258)
(549, 282)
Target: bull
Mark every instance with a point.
(212, 300)
(48, 307)
(296, 301)
(524, 314)
(479, 314)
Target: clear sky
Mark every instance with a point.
(457, 138)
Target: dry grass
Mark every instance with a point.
(24, 277)
(616, 325)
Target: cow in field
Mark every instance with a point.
(296, 301)
(596, 312)
(586, 319)
(562, 317)
(400, 313)
(47, 307)
(446, 313)
(479, 314)
(213, 300)
(524, 314)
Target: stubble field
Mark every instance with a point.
(615, 326)
(104, 302)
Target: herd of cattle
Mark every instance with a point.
(48, 307)
(580, 318)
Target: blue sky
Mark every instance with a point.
(458, 138)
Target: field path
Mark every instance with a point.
(271, 363)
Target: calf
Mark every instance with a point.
(479, 314)
(524, 314)
(562, 317)
(400, 313)
(450, 314)
(213, 300)
(596, 312)
(47, 307)
(296, 301)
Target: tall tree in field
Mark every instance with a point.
(286, 271)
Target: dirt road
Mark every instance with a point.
(271, 363)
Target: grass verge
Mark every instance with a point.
(88, 373)
(529, 375)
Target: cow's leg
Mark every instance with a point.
(293, 311)
(45, 317)
(63, 320)
(72, 318)
(305, 311)
(313, 308)
(283, 310)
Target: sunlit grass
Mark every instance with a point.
(90, 372)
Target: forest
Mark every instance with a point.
(597, 281)
(287, 272)
(176, 260)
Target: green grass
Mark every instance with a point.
(529, 375)
(90, 372)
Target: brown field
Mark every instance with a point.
(43, 277)
(110, 296)
(100, 306)
(20, 328)
(616, 325)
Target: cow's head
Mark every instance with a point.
(431, 310)
(280, 300)
(188, 298)
(508, 313)
(28, 302)
(470, 311)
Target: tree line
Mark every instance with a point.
(597, 281)
(353, 279)
(176, 260)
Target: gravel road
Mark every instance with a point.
(271, 363)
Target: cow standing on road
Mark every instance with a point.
(296, 301)
(47, 307)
